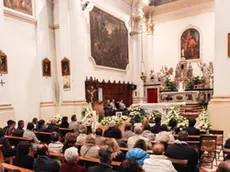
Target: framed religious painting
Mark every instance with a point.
(22, 6)
(66, 83)
(109, 40)
(46, 67)
(3, 63)
(190, 45)
(65, 67)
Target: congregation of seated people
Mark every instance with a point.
(106, 146)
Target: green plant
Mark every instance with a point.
(194, 81)
(169, 84)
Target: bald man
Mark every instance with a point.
(158, 162)
(224, 166)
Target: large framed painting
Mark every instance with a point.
(190, 45)
(109, 40)
(46, 67)
(23, 6)
(3, 63)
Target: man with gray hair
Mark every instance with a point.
(105, 156)
(182, 150)
(71, 157)
(137, 136)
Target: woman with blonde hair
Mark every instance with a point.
(90, 149)
(117, 154)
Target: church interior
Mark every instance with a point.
(116, 62)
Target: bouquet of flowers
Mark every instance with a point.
(118, 121)
(174, 113)
(152, 115)
(202, 121)
(136, 113)
(87, 114)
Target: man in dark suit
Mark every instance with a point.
(43, 163)
(105, 156)
(52, 127)
(181, 150)
(191, 129)
(157, 127)
(19, 131)
(113, 131)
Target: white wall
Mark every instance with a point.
(166, 40)
(26, 44)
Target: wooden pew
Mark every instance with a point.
(88, 159)
(124, 150)
(7, 159)
(179, 165)
(12, 167)
(178, 161)
(64, 131)
(14, 140)
(44, 137)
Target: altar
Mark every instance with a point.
(188, 97)
(149, 107)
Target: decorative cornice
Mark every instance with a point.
(22, 17)
(180, 9)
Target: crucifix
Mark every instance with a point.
(2, 83)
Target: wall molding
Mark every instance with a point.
(74, 103)
(6, 107)
(18, 16)
(47, 104)
(221, 99)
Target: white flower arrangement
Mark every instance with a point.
(87, 114)
(202, 121)
(117, 120)
(152, 115)
(174, 113)
(136, 113)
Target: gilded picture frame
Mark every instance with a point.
(46, 68)
(3, 63)
(190, 45)
(65, 67)
(21, 6)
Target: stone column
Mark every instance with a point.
(78, 29)
(138, 94)
(219, 106)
